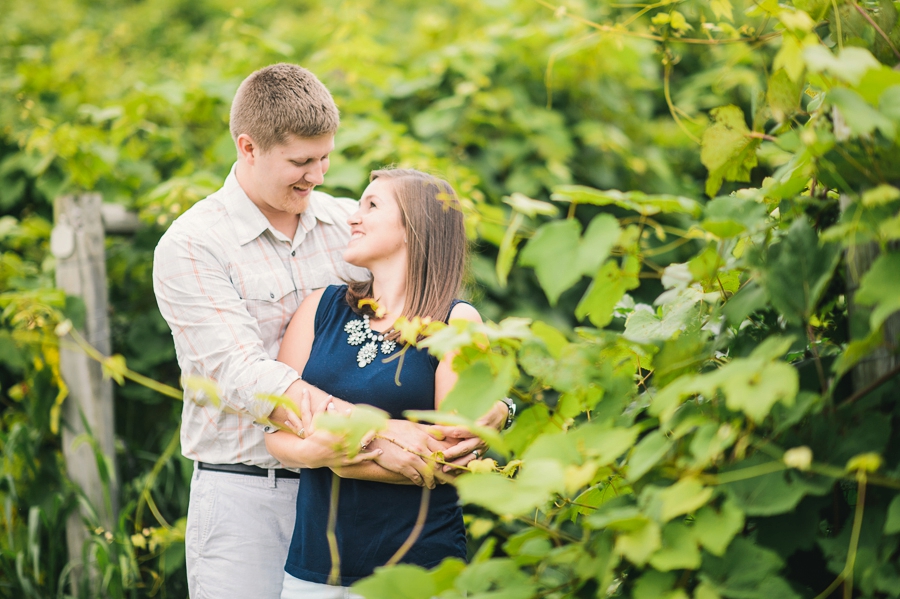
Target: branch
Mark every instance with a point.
(871, 386)
(881, 32)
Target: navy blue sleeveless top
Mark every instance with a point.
(374, 518)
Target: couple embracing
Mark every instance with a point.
(262, 285)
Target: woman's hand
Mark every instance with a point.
(468, 445)
(407, 448)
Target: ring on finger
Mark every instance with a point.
(301, 433)
(476, 454)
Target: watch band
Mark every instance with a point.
(511, 414)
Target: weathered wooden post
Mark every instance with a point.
(78, 244)
(873, 370)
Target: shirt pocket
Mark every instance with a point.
(268, 294)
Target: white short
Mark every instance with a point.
(239, 529)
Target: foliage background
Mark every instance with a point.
(666, 411)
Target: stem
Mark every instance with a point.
(416, 531)
(745, 473)
(672, 110)
(151, 480)
(880, 31)
(129, 374)
(846, 575)
(837, 22)
(763, 136)
(334, 577)
(815, 352)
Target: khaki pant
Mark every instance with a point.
(239, 528)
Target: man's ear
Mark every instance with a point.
(247, 148)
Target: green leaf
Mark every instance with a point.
(722, 9)
(599, 239)
(647, 453)
(745, 302)
(889, 103)
(715, 529)
(402, 581)
(603, 443)
(537, 482)
(880, 287)
(731, 216)
(560, 258)
(494, 579)
(480, 386)
(607, 288)
(773, 493)
(850, 65)
(639, 542)
(529, 207)
(646, 204)
(859, 116)
(684, 497)
(727, 150)
(553, 245)
(747, 571)
(552, 338)
(753, 386)
(882, 194)
(679, 549)
(355, 426)
(797, 270)
(783, 95)
(506, 253)
(892, 523)
(654, 585)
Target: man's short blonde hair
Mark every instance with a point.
(279, 101)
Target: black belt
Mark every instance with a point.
(247, 469)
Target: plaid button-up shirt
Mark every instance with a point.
(228, 283)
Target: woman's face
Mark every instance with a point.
(376, 228)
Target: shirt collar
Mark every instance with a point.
(249, 221)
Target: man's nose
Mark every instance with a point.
(316, 174)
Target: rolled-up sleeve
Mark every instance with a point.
(216, 337)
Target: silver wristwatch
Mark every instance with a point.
(511, 414)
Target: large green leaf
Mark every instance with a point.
(727, 150)
(560, 257)
(797, 270)
(646, 204)
(607, 288)
(747, 572)
(536, 483)
(479, 386)
(880, 287)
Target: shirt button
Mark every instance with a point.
(272, 295)
(294, 253)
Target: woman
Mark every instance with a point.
(409, 233)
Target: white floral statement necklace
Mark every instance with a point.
(361, 334)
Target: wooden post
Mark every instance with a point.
(885, 358)
(77, 242)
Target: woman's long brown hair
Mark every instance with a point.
(435, 231)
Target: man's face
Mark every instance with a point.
(284, 176)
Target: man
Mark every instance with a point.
(228, 275)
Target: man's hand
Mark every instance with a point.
(312, 448)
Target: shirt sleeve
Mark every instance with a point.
(214, 333)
